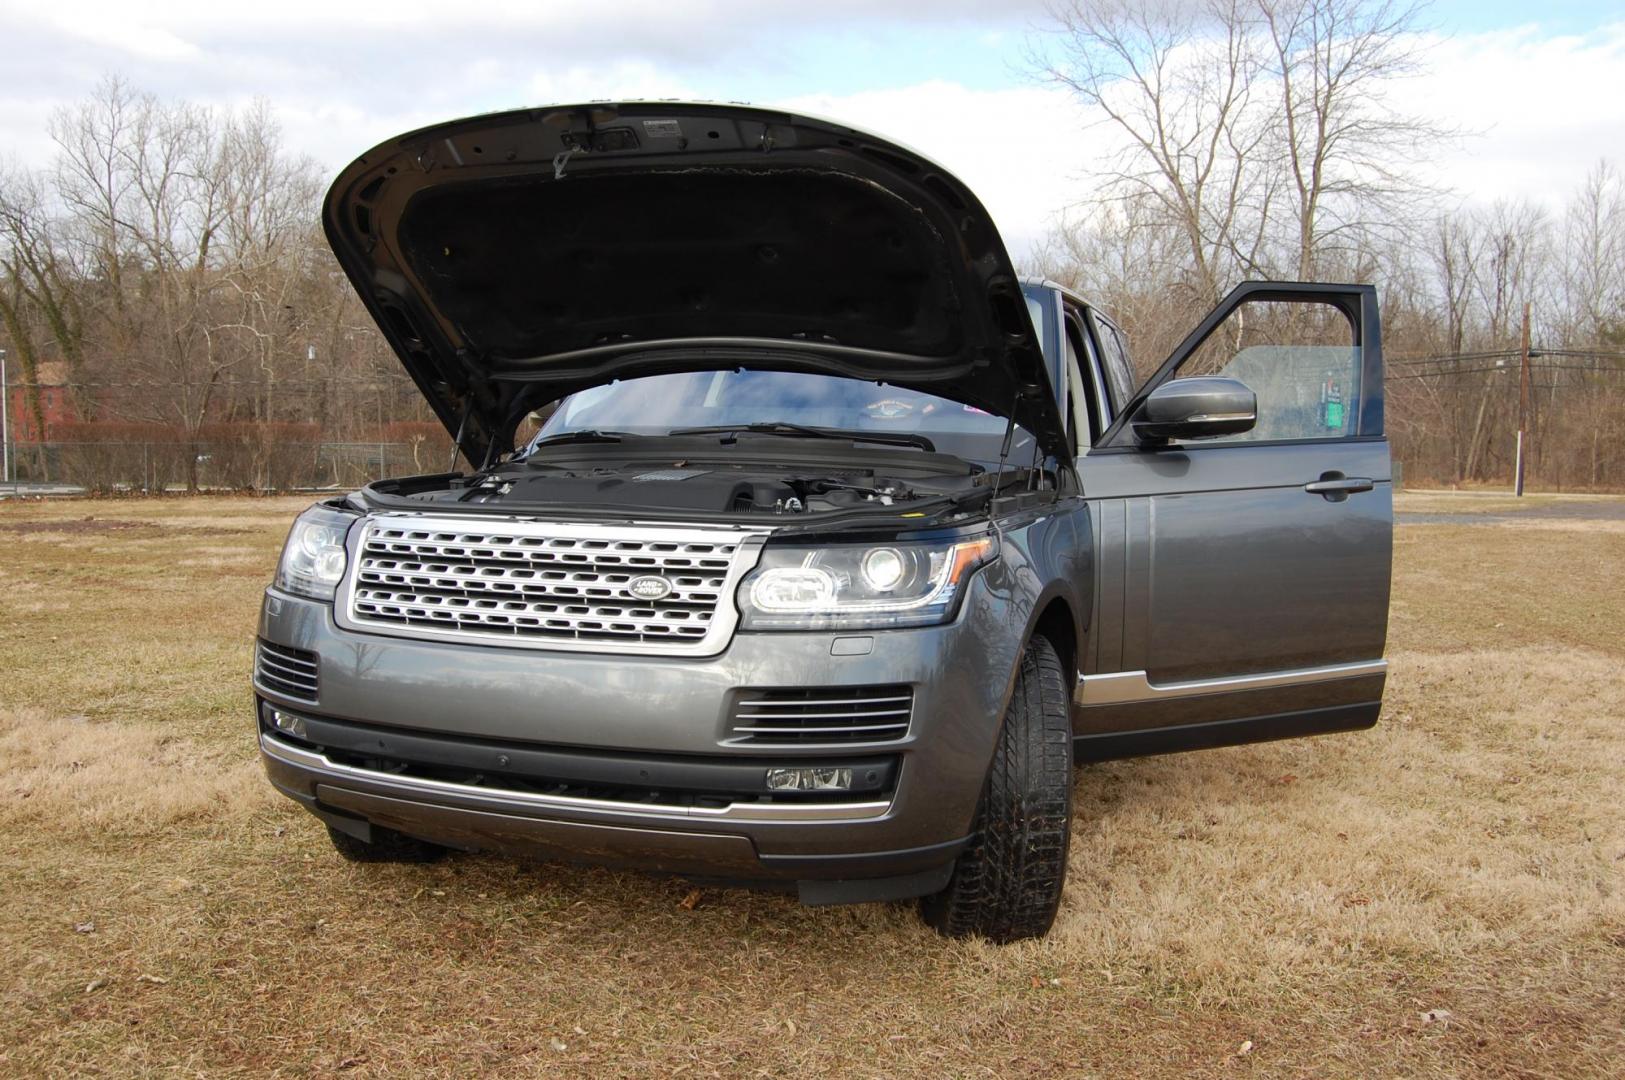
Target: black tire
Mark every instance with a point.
(386, 846)
(1007, 885)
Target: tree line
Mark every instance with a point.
(167, 267)
(1267, 139)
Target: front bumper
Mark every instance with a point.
(870, 846)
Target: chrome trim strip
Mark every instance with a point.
(785, 703)
(1127, 687)
(819, 715)
(768, 813)
(872, 729)
(277, 667)
(269, 691)
(284, 653)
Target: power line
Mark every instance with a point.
(1491, 354)
(1445, 358)
(1507, 367)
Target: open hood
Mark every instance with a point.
(513, 258)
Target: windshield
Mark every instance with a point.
(656, 404)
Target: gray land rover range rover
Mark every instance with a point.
(840, 543)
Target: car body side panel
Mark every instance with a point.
(1111, 554)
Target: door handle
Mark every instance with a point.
(1343, 487)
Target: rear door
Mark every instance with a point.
(1244, 580)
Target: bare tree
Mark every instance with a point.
(39, 306)
(172, 256)
(1514, 237)
(1264, 138)
(1123, 257)
(1175, 83)
(1348, 154)
(1594, 255)
(1260, 127)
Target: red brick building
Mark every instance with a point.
(55, 404)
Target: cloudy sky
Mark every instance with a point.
(1542, 86)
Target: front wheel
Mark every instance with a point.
(1007, 885)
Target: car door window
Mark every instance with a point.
(1082, 385)
(1302, 360)
(1115, 360)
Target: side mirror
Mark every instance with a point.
(1200, 407)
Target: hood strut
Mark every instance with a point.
(457, 440)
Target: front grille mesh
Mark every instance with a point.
(536, 586)
(835, 714)
(289, 672)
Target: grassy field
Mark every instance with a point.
(1441, 896)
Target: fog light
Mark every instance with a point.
(289, 723)
(815, 778)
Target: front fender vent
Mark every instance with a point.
(285, 671)
(796, 716)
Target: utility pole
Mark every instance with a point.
(1523, 408)
(5, 422)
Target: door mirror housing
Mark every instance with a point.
(1200, 407)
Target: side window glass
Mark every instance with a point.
(1301, 359)
(1119, 371)
(1086, 419)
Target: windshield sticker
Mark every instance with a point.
(663, 129)
(889, 408)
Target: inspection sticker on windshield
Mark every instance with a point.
(663, 129)
(888, 408)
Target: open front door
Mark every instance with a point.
(1244, 569)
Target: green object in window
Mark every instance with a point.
(1334, 414)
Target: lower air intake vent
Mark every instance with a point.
(837, 714)
(285, 671)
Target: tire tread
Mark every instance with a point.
(1007, 885)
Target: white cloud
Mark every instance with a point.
(121, 30)
(1539, 112)
(626, 80)
(1022, 149)
(1545, 108)
(342, 77)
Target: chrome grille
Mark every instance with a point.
(285, 671)
(835, 714)
(547, 586)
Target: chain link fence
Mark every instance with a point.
(151, 467)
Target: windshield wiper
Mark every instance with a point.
(779, 427)
(586, 435)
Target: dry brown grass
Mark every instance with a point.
(1495, 501)
(163, 913)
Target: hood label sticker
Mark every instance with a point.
(663, 129)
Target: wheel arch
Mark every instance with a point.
(1054, 618)
(1057, 622)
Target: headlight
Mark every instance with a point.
(859, 586)
(314, 557)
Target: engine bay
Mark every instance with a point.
(703, 488)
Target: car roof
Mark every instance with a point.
(1069, 293)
